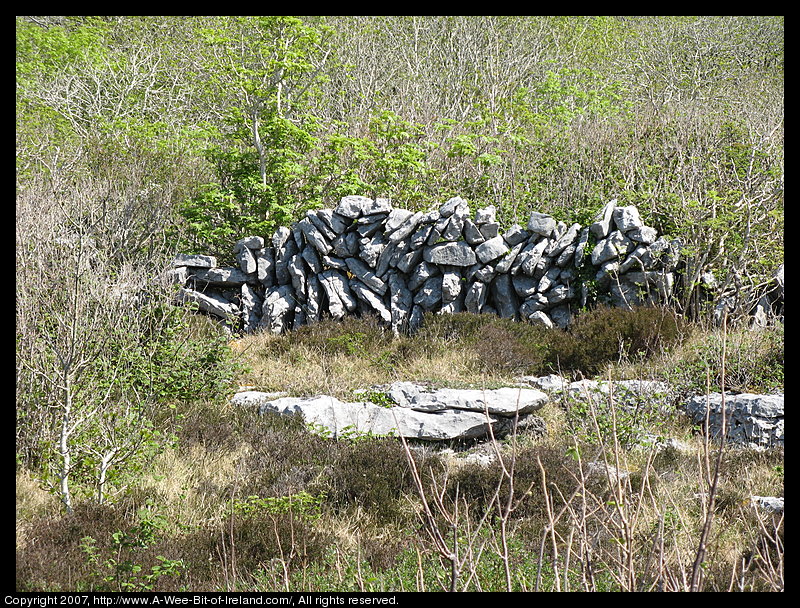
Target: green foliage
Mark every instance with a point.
(302, 504)
(124, 574)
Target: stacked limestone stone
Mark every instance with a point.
(366, 257)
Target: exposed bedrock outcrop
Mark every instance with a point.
(416, 412)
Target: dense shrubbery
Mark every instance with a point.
(596, 339)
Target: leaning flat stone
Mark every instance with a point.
(406, 228)
(340, 299)
(278, 309)
(448, 208)
(602, 223)
(195, 261)
(365, 275)
(247, 260)
(314, 236)
(476, 297)
(369, 297)
(456, 253)
(210, 303)
(223, 277)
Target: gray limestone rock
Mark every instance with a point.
(364, 274)
(245, 257)
(451, 286)
(340, 299)
(297, 273)
(406, 228)
(323, 226)
(485, 215)
(371, 249)
(311, 257)
(194, 261)
(752, 420)
(337, 223)
(492, 249)
(371, 299)
(429, 295)
(627, 218)
(421, 274)
(532, 257)
(282, 256)
(419, 238)
(489, 230)
(505, 264)
(580, 247)
(504, 297)
(251, 308)
(564, 241)
(516, 234)
(476, 297)
(540, 318)
(353, 206)
(613, 246)
(313, 307)
(450, 207)
(507, 401)
(278, 309)
(645, 235)
(223, 276)
(280, 237)
(211, 303)
(472, 233)
(602, 224)
(400, 302)
(345, 245)
(451, 254)
(265, 266)
(524, 286)
(541, 224)
(455, 224)
(396, 219)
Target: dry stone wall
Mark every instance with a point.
(367, 257)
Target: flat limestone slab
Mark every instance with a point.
(329, 415)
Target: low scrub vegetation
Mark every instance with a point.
(242, 502)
